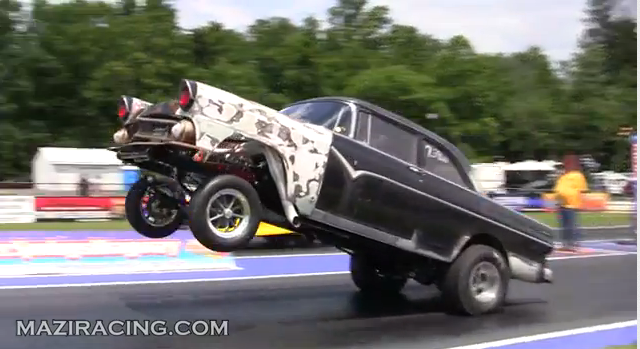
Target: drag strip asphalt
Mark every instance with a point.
(326, 311)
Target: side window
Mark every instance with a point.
(434, 160)
(362, 127)
(392, 140)
(343, 126)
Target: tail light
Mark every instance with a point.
(187, 94)
(129, 107)
(124, 108)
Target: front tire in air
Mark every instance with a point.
(140, 207)
(225, 213)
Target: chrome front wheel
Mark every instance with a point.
(229, 213)
(225, 213)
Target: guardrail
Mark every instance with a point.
(29, 209)
(546, 201)
(63, 189)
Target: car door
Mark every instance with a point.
(383, 195)
(445, 184)
(458, 211)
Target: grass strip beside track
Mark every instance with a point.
(630, 346)
(587, 219)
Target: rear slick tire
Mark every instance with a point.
(225, 199)
(477, 281)
(370, 280)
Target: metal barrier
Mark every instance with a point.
(544, 200)
(53, 201)
(61, 189)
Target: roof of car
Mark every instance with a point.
(399, 119)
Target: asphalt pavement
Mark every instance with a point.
(326, 311)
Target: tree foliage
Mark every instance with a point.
(63, 66)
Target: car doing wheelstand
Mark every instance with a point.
(396, 197)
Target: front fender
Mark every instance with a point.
(302, 148)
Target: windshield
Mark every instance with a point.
(323, 113)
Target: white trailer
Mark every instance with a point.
(60, 170)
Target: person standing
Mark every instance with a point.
(568, 191)
(83, 186)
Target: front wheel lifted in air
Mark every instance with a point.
(225, 213)
(152, 208)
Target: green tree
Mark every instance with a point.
(64, 65)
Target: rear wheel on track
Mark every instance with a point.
(476, 283)
(371, 280)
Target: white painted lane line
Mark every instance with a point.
(558, 258)
(149, 282)
(238, 278)
(607, 240)
(603, 227)
(607, 254)
(135, 272)
(549, 335)
(292, 255)
(623, 253)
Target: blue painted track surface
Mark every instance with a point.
(594, 340)
(267, 311)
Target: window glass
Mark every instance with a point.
(344, 123)
(392, 140)
(362, 127)
(321, 113)
(437, 162)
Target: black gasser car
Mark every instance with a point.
(396, 197)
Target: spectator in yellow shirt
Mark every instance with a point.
(568, 192)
